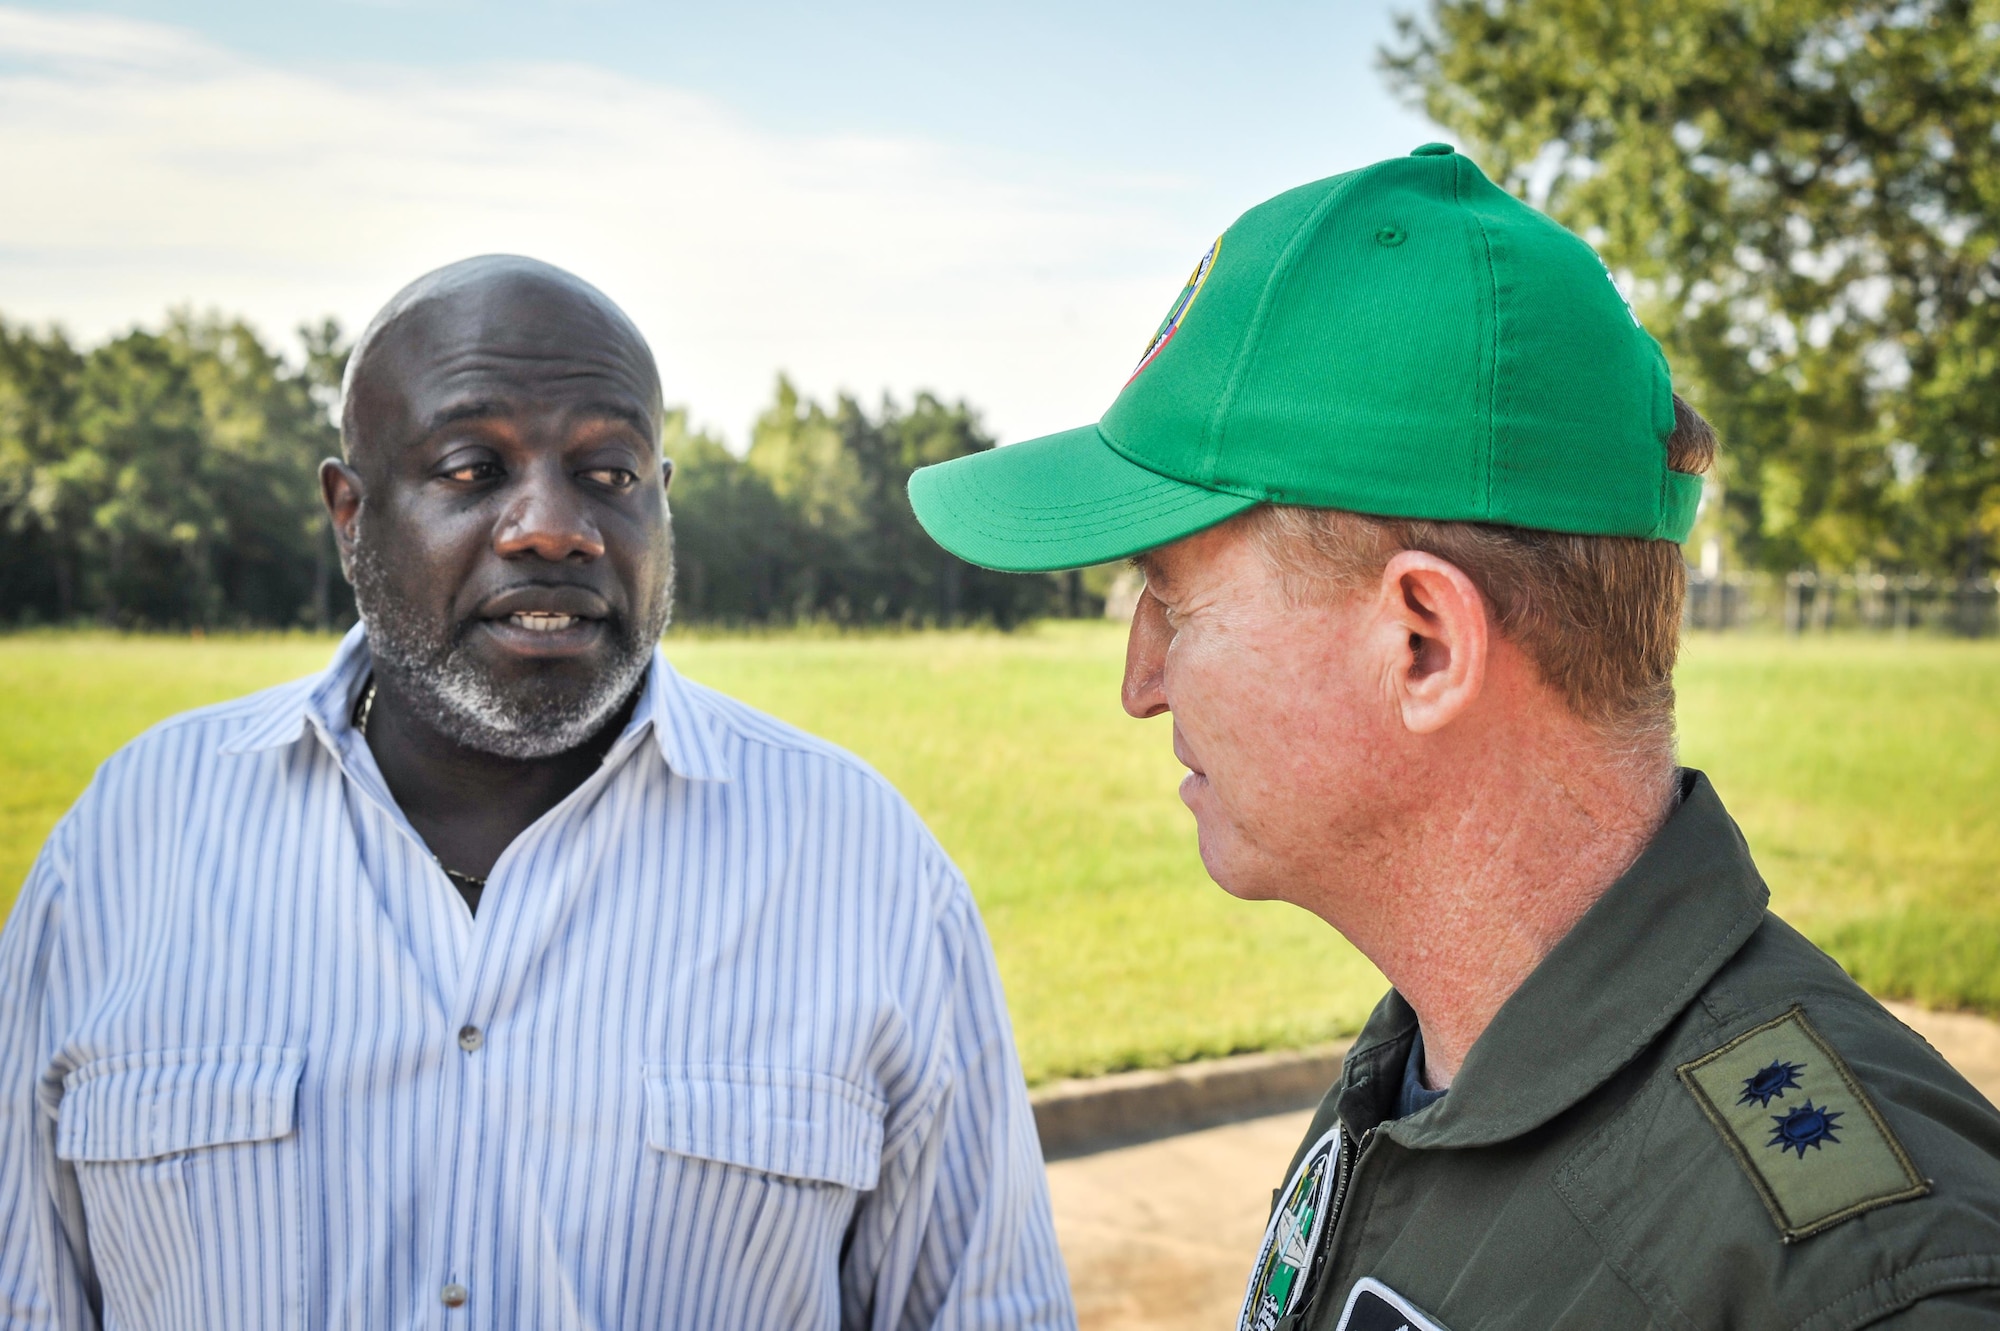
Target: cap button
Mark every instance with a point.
(1432, 150)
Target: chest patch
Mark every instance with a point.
(1373, 1306)
(1279, 1280)
(1791, 1112)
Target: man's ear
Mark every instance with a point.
(667, 474)
(1446, 638)
(340, 488)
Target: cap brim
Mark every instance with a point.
(1063, 501)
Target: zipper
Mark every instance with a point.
(1348, 1162)
(1343, 1170)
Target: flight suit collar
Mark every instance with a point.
(1634, 961)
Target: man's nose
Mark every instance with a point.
(548, 519)
(1144, 690)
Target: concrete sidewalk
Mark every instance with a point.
(1159, 1236)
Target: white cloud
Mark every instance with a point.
(145, 167)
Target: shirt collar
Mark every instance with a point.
(683, 725)
(1632, 964)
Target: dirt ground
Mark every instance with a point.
(1159, 1237)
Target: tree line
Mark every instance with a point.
(168, 479)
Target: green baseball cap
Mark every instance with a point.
(1407, 340)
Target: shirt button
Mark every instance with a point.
(469, 1039)
(453, 1296)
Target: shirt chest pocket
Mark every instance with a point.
(774, 1162)
(188, 1165)
(787, 1123)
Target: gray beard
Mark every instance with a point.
(537, 718)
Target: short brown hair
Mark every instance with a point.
(1599, 616)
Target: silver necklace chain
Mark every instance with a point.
(364, 708)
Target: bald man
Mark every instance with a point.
(498, 976)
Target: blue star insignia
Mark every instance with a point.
(1804, 1126)
(1771, 1083)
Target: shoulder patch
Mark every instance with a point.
(1792, 1114)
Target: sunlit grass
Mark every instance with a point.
(72, 698)
(1865, 774)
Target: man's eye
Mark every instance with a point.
(469, 472)
(616, 477)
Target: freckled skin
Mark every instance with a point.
(1258, 690)
(504, 455)
(1387, 761)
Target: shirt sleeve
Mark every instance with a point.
(46, 1280)
(958, 1234)
(1963, 1310)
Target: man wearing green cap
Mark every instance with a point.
(1407, 481)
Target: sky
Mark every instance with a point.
(992, 202)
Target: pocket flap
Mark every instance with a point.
(804, 1125)
(138, 1106)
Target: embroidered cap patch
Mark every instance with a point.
(1373, 1306)
(1171, 324)
(1792, 1114)
(1279, 1280)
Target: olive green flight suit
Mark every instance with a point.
(1687, 1117)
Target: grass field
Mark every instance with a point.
(1864, 772)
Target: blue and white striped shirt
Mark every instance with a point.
(724, 1048)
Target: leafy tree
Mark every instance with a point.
(734, 538)
(807, 460)
(267, 429)
(1806, 195)
(39, 567)
(815, 522)
(914, 570)
(326, 352)
(150, 527)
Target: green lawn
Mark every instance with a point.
(1864, 773)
